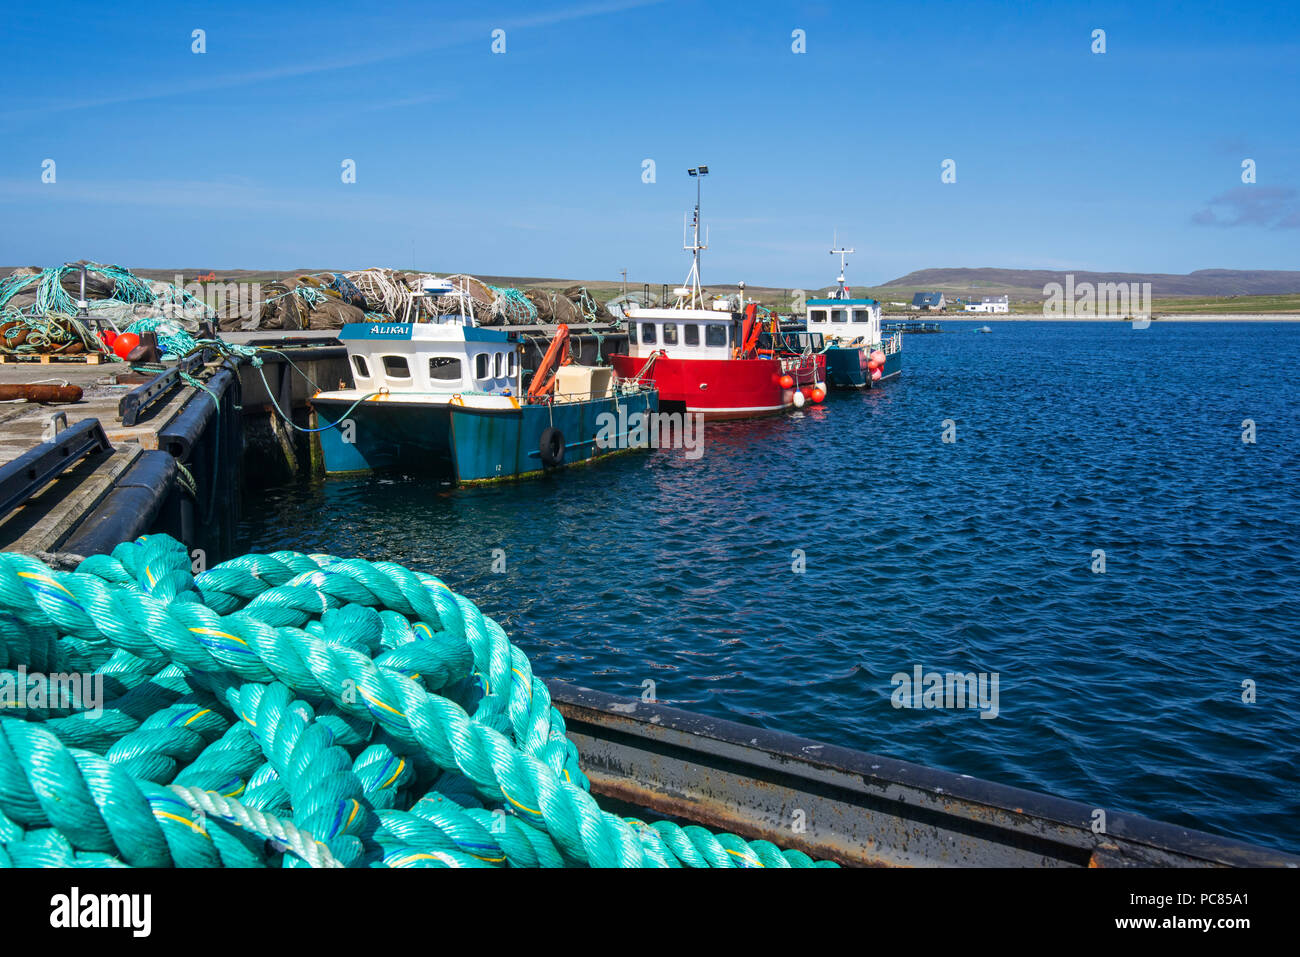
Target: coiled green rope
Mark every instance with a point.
(290, 710)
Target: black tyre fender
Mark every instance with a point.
(551, 447)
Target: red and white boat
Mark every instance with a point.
(708, 359)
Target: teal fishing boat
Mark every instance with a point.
(447, 398)
(857, 357)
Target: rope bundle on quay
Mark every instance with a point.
(294, 710)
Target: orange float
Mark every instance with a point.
(124, 344)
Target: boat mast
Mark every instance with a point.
(842, 292)
(692, 287)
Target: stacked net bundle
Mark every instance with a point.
(382, 290)
(479, 296)
(39, 308)
(512, 307)
(301, 305)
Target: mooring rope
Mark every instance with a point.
(289, 710)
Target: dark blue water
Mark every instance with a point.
(1122, 689)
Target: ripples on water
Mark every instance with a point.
(1120, 689)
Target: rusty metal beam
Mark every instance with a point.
(854, 807)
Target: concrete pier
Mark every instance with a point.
(60, 509)
(154, 453)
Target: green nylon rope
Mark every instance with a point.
(294, 710)
(52, 297)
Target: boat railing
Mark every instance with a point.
(643, 379)
(463, 315)
(799, 363)
(893, 344)
(618, 388)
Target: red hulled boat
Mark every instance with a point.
(710, 360)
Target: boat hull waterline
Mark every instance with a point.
(464, 443)
(846, 368)
(721, 388)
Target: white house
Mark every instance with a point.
(989, 304)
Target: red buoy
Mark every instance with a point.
(125, 343)
(818, 395)
(787, 382)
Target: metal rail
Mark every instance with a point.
(34, 469)
(140, 399)
(854, 807)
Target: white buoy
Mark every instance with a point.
(798, 399)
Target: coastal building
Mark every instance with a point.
(989, 304)
(929, 301)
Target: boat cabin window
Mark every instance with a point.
(481, 365)
(631, 333)
(715, 334)
(839, 315)
(691, 334)
(648, 333)
(510, 364)
(670, 333)
(861, 315)
(359, 365)
(809, 341)
(797, 342)
(816, 315)
(444, 367)
(396, 367)
(499, 367)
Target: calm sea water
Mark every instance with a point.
(1122, 689)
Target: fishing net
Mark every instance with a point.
(512, 307)
(479, 295)
(173, 340)
(55, 334)
(380, 290)
(333, 314)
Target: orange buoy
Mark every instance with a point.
(125, 343)
(878, 356)
(787, 382)
(818, 395)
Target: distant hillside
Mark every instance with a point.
(1029, 283)
(1210, 291)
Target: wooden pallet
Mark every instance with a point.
(88, 358)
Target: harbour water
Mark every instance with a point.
(784, 577)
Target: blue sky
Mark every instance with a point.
(530, 162)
